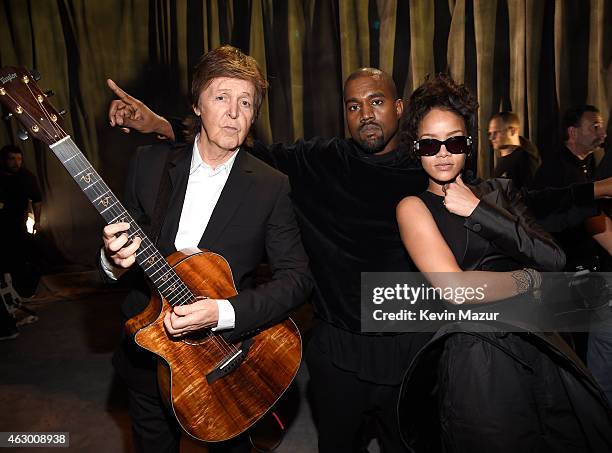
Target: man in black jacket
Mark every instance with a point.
(345, 192)
(583, 133)
(517, 158)
(221, 199)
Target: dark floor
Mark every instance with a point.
(57, 375)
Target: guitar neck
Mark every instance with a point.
(148, 257)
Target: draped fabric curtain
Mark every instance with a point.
(535, 57)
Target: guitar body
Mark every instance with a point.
(213, 402)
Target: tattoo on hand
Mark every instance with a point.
(522, 280)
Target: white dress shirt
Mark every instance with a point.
(204, 187)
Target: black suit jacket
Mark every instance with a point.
(252, 222)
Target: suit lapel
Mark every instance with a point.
(232, 196)
(178, 175)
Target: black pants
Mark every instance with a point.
(346, 408)
(155, 430)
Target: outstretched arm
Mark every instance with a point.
(127, 112)
(559, 208)
(432, 256)
(600, 228)
(602, 188)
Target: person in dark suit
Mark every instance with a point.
(221, 199)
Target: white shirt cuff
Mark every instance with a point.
(113, 272)
(227, 316)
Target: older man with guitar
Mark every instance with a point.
(219, 359)
(219, 198)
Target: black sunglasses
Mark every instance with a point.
(455, 145)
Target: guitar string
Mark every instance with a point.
(218, 340)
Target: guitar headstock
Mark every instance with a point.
(29, 105)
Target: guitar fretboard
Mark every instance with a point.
(110, 208)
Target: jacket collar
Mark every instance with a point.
(232, 195)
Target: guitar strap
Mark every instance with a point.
(162, 200)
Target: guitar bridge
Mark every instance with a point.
(230, 362)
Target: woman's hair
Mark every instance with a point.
(438, 91)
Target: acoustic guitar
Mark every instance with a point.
(216, 389)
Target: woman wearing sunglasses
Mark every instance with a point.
(484, 389)
(449, 228)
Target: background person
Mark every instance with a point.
(517, 158)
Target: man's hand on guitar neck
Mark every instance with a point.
(116, 247)
(130, 113)
(117, 255)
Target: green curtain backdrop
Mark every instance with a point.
(536, 57)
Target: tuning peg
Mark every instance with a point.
(35, 74)
(22, 134)
(9, 115)
(49, 93)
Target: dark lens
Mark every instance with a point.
(457, 145)
(428, 147)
